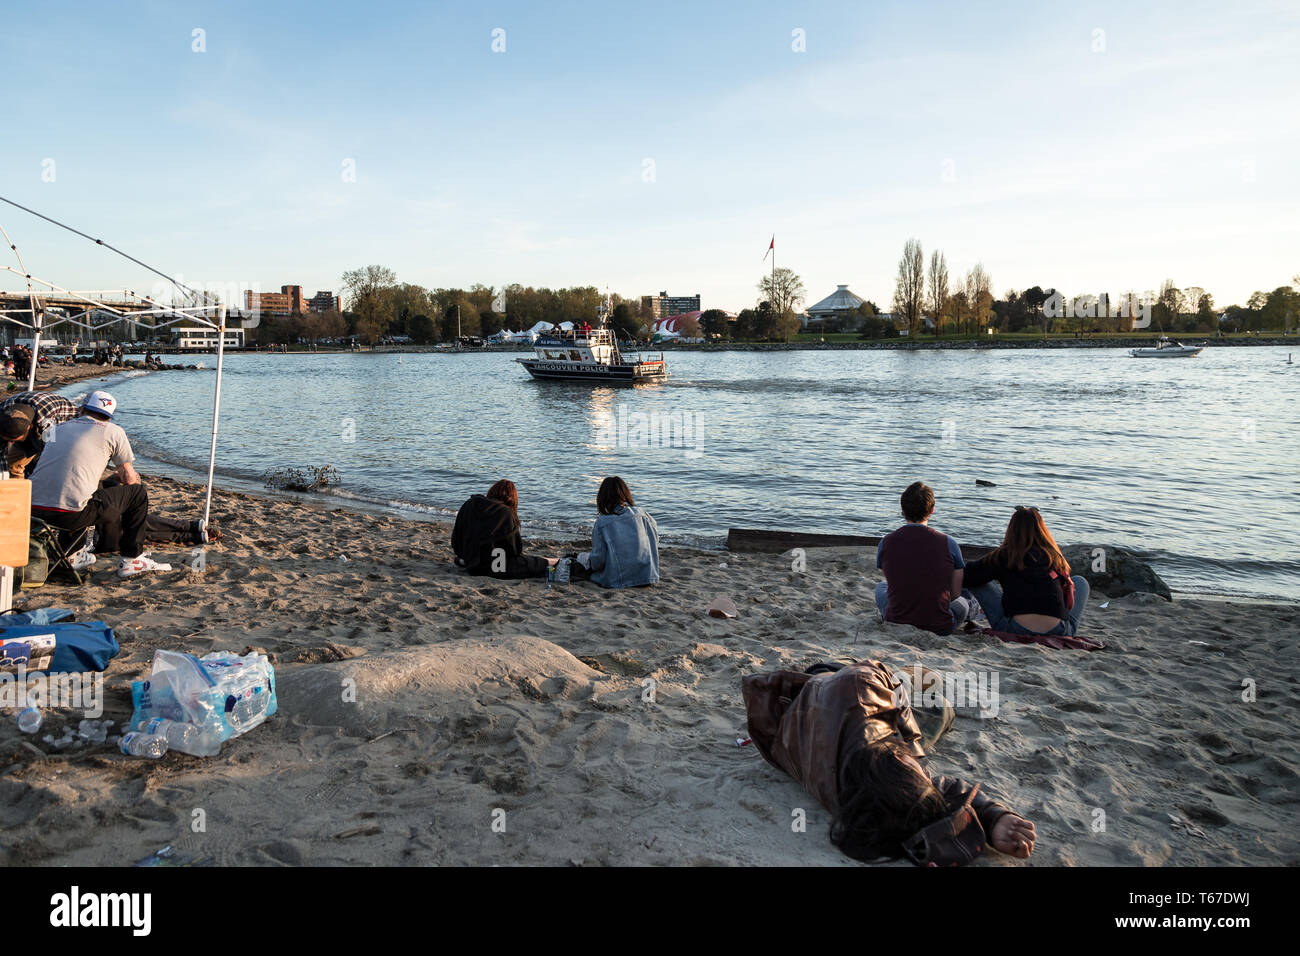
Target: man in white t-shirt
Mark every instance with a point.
(65, 484)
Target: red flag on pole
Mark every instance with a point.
(771, 246)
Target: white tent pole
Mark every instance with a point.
(216, 410)
(39, 318)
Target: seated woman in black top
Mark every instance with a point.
(1020, 584)
(486, 536)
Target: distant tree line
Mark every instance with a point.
(968, 306)
(377, 306)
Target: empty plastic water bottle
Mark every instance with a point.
(29, 719)
(92, 731)
(144, 745)
(178, 734)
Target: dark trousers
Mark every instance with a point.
(523, 566)
(120, 506)
(158, 529)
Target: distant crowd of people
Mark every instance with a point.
(17, 359)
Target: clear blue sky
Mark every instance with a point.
(998, 135)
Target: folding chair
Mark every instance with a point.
(60, 546)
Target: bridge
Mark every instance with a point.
(16, 306)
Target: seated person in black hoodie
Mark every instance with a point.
(486, 536)
(1025, 585)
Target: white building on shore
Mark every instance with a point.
(840, 304)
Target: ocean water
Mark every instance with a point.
(1192, 462)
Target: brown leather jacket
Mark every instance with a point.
(809, 726)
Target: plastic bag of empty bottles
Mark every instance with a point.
(221, 694)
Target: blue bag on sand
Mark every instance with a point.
(41, 615)
(79, 645)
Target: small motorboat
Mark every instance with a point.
(1167, 348)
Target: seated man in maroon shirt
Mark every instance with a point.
(923, 570)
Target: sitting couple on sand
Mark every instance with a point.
(624, 541)
(1024, 585)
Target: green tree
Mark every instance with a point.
(746, 326)
(422, 330)
(1279, 311)
(406, 301)
(624, 320)
(877, 327)
(367, 290)
(715, 323)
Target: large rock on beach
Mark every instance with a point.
(1122, 572)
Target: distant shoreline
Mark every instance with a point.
(1109, 342)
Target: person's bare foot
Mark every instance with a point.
(1013, 835)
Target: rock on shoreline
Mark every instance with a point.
(1123, 572)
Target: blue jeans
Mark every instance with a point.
(990, 598)
(957, 606)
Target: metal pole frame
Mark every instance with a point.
(216, 414)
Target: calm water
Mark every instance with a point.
(1193, 461)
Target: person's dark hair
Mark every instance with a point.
(1026, 531)
(917, 501)
(504, 491)
(882, 802)
(96, 415)
(613, 495)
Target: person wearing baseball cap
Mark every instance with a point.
(25, 420)
(66, 490)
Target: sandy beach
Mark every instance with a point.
(505, 723)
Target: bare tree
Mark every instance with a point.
(909, 287)
(784, 290)
(937, 283)
(1172, 301)
(957, 307)
(979, 298)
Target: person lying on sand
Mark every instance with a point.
(1024, 585)
(487, 540)
(624, 541)
(923, 570)
(853, 742)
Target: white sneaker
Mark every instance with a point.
(85, 558)
(133, 566)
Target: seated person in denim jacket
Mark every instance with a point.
(624, 542)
